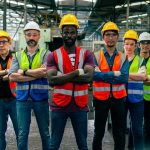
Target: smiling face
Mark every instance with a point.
(110, 38)
(129, 46)
(4, 46)
(69, 35)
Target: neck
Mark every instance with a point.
(3, 56)
(31, 50)
(70, 49)
(130, 56)
(110, 50)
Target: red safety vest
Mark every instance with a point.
(12, 85)
(101, 90)
(64, 93)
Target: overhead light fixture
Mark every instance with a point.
(135, 16)
(133, 4)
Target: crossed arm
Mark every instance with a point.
(74, 76)
(17, 75)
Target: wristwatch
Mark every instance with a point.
(24, 72)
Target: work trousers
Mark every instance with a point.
(117, 110)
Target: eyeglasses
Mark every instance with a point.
(132, 44)
(3, 42)
(110, 34)
(145, 42)
(30, 34)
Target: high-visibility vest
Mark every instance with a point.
(12, 85)
(135, 88)
(147, 87)
(102, 90)
(36, 89)
(64, 93)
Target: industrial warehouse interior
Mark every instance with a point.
(92, 16)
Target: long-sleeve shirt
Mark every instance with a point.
(109, 77)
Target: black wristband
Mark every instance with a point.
(24, 71)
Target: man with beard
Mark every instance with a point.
(70, 69)
(109, 92)
(28, 69)
(144, 43)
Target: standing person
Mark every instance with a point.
(144, 41)
(7, 94)
(29, 71)
(134, 101)
(70, 69)
(110, 76)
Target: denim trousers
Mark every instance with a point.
(7, 108)
(147, 125)
(79, 123)
(136, 111)
(41, 111)
(117, 111)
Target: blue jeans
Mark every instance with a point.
(7, 109)
(41, 111)
(79, 123)
(136, 140)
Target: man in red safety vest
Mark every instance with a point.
(70, 69)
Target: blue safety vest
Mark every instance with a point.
(36, 89)
(135, 88)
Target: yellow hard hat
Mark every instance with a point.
(5, 34)
(110, 26)
(69, 19)
(131, 34)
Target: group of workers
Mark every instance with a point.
(121, 83)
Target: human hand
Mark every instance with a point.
(117, 73)
(97, 69)
(142, 69)
(20, 71)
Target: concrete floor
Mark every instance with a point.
(68, 142)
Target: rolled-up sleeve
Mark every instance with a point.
(14, 65)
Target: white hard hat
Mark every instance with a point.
(145, 36)
(31, 26)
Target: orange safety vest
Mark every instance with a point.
(12, 85)
(64, 93)
(101, 90)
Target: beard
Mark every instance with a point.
(69, 42)
(32, 43)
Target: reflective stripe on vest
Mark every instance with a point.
(147, 92)
(37, 89)
(63, 93)
(147, 87)
(118, 88)
(135, 88)
(101, 90)
(12, 85)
